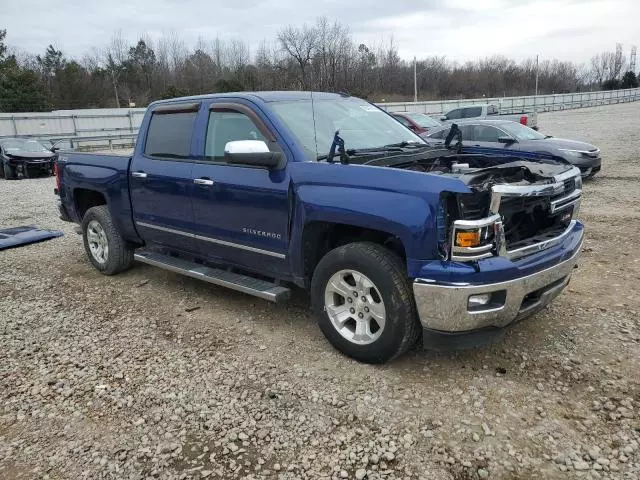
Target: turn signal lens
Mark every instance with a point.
(468, 239)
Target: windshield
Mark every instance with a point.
(521, 132)
(423, 120)
(19, 145)
(361, 125)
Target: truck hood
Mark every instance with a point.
(28, 155)
(480, 172)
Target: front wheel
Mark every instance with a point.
(363, 300)
(108, 252)
(9, 171)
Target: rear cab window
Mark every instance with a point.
(170, 131)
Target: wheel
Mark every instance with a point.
(107, 250)
(9, 172)
(362, 298)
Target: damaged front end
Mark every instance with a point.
(516, 207)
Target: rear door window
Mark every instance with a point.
(454, 114)
(467, 132)
(472, 112)
(169, 134)
(486, 133)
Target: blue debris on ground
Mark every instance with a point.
(18, 236)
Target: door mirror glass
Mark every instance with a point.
(252, 153)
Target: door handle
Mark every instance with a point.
(203, 181)
(139, 174)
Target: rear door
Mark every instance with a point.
(161, 179)
(242, 212)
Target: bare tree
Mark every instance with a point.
(299, 43)
(114, 56)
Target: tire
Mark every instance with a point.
(108, 252)
(9, 172)
(373, 269)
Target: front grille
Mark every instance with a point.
(526, 219)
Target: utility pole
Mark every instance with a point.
(537, 64)
(415, 80)
(535, 98)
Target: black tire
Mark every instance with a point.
(119, 256)
(9, 172)
(388, 274)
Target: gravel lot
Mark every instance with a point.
(152, 375)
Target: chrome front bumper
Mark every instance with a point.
(445, 307)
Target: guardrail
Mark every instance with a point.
(538, 103)
(98, 142)
(118, 127)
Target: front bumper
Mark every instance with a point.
(587, 165)
(444, 306)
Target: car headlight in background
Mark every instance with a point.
(573, 153)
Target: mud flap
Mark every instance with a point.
(18, 236)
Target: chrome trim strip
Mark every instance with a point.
(537, 247)
(480, 249)
(242, 247)
(574, 172)
(165, 229)
(213, 240)
(483, 222)
(567, 201)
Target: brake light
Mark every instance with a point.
(524, 119)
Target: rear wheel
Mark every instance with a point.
(364, 303)
(107, 250)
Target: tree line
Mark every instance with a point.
(322, 56)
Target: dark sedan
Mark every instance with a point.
(19, 157)
(503, 135)
(419, 123)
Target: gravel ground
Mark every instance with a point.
(152, 375)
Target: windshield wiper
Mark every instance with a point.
(338, 143)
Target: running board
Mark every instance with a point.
(235, 281)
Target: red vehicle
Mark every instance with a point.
(417, 122)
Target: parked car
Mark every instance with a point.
(502, 136)
(245, 190)
(419, 123)
(20, 157)
(488, 111)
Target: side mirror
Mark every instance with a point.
(506, 140)
(54, 149)
(443, 118)
(252, 153)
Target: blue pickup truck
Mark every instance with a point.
(394, 240)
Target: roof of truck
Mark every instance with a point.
(268, 96)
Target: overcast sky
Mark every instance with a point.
(459, 29)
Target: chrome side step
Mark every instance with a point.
(235, 281)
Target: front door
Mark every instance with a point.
(161, 179)
(242, 212)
